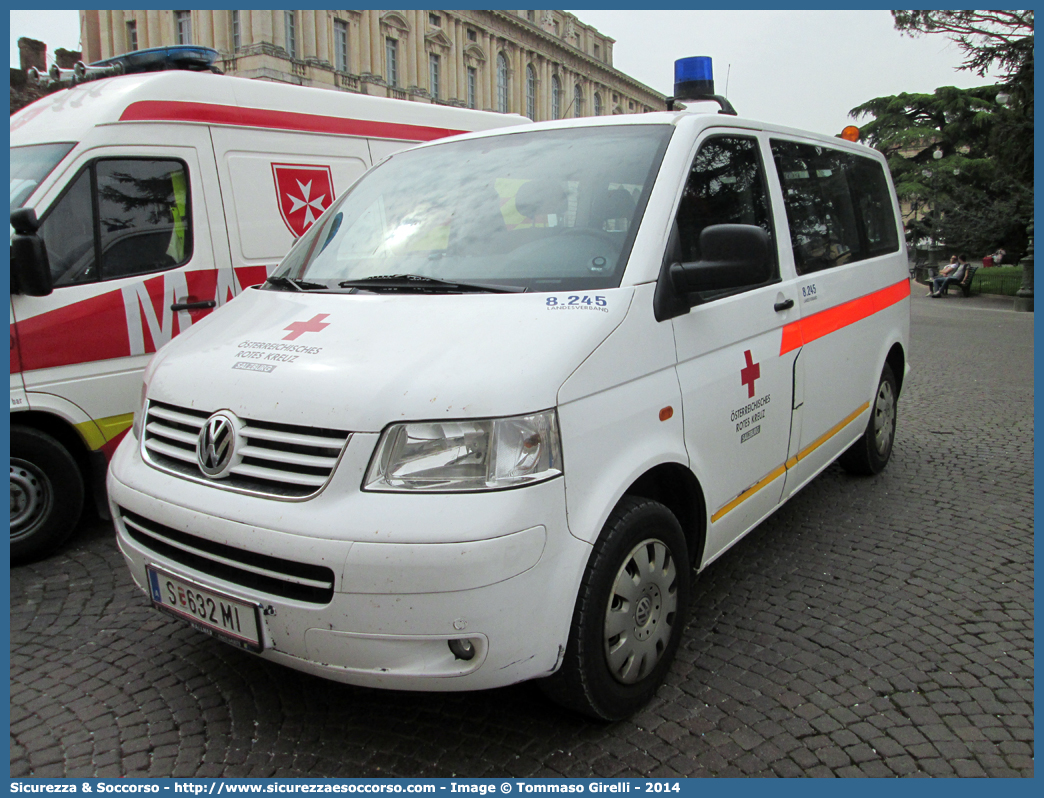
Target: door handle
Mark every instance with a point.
(204, 305)
(786, 304)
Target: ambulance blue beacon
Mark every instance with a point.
(513, 391)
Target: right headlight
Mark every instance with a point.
(467, 455)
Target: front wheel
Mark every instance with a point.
(46, 493)
(870, 454)
(629, 616)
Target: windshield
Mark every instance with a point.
(30, 165)
(540, 211)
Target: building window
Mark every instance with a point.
(183, 20)
(433, 75)
(237, 31)
(531, 16)
(597, 104)
(434, 20)
(340, 45)
(597, 53)
(556, 97)
(132, 35)
(557, 29)
(391, 58)
(472, 83)
(472, 36)
(531, 92)
(578, 100)
(630, 105)
(290, 23)
(502, 84)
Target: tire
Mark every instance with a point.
(629, 619)
(46, 494)
(870, 454)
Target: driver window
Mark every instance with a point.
(726, 185)
(142, 209)
(143, 216)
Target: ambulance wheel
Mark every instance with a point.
(869, 455)
(46, 493)
(629, 616)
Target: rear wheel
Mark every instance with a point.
(870, 454)
(629, 616)
(46, 493)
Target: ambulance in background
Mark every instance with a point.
(158, 195)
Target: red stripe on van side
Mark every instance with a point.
(817, 325)
(176, 111)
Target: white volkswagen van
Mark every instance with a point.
(511, 391)
(159, 196)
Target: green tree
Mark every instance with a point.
(987, 38)
(962, 159)
(958, 124)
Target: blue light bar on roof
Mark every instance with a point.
(693, 77)
(157, 59)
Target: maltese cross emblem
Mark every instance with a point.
(303, 193)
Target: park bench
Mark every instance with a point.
(965, 284)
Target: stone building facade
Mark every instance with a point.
(541, 64)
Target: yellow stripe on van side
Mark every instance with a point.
(830, 433)
(778, 471)
(100, 431)
(732, 505)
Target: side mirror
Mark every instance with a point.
(30, 269)
(734, 255)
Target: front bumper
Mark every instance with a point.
(408, 572)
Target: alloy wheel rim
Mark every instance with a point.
(31, 498)
(640, 615)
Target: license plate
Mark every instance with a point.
(222, 616)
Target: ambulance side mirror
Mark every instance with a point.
(733, 256)
(30, 269)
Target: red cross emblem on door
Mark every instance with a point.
(749, 373)
(303, 192)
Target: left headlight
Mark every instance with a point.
(467, 455)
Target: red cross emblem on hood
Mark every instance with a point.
(299, 328)
(303, 192)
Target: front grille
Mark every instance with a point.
(281, 460)
(271, 575)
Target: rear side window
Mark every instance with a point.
(839, 208)
(120, 218)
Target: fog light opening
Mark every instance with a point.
(462, 649)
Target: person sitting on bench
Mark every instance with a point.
(947, 271)
(943, 281)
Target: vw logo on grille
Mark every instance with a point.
(216, 445)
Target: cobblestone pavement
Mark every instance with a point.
(874, 627)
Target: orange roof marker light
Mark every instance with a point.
(850, 133)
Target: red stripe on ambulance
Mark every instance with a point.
(213, 114)
(817, 325)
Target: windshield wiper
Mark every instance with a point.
(279, 281)
(416, 282)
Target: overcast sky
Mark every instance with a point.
(805, 69)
